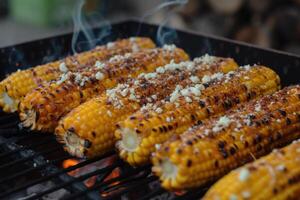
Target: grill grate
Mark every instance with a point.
(28, 148)
(33, 161)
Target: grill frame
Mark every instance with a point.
(33, 53)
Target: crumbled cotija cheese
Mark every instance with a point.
(135, 48)
(206, 79)
(116, 58)
(257, 107)
(171, 47)
(63, 78)
(247, 67)
(194, 79)
(99, 76)
(109, 113)
(244, 174)
(280, 167)
(63, 67)
(99, 65)
(110, 45)
(222, 123)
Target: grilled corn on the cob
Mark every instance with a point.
(209, 151)
(18, 84)
(42, 108)
(88, 129)
(275, 176)
(155, 123)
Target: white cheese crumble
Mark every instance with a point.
(160, 70)
(63, 78)
(205, 79)
(116, 58)
(158, 110)
(246, 67)
(99, 76)
(244, 174)
(110, 45)
(194, 79)
(257, 107)
(109, 113)
(171, 47)
(207, 59)
(188, 99)
(78, 78)
(135, 48)
(124, 92)
(63, 68)
(99, 65)
(246, 194)
(83, 81)
(169, 119)
(223, 122)
(154, 97)
(150, 75)
(280, 167)
(157, 146)
(132, 39)
(233, 197)
(217, 76)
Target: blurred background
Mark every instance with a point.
(268, 23)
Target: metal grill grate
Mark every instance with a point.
(31, 151)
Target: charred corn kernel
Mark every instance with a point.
(275, 176)
(42, 108)
(188, 106)
(208, 151)
(18, 84)
(94, 121)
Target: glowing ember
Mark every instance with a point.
(180, 193)
(89, 182)
(80, 171)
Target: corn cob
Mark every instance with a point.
(42, 108)
(275, 176)
(18, 84)
(88, 129)
(155, 123)
(220, 144)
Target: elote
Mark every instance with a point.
(42, 108)
(88, 129)
(208, 151)
(138, 134)
(275, 176)
(18, 84)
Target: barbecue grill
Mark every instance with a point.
(34, 166)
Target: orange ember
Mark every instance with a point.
(88, 168)
(78, 172)
(69, 163)
(114, 174)
(180, 193)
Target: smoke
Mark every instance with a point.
(80, 25)
(83, 28)
(165, 35)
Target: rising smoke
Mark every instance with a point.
(165, 35)
(82, 27)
